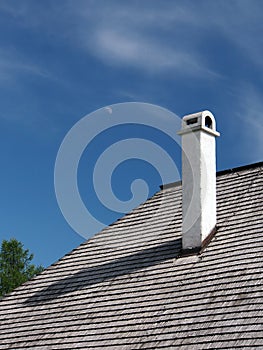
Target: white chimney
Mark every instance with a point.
(198, 179)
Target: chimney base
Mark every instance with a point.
(197, 251)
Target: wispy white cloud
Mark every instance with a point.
(11, 66)
(164, 37)
(14, 67)
(130, 36)
(155, 37)
(16, 61)
(116, 47)
(250, 112)
(240, 21)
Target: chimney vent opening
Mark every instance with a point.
(208, 122)
(191, 121)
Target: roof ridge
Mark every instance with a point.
(218, 173)
(240, 168)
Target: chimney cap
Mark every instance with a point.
(199, 121)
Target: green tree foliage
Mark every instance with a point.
(15, 266)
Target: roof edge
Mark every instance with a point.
(170, 185)
(218, 173)
(239, 168)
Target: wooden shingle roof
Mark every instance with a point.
(126, 288)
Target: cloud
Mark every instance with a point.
(249, 112)
(154, 37)
(143, 37)
(11, 65)
(16, 72)
(167, 37)
(240, 21)
(117, 48)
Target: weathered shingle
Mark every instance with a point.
(126, 288)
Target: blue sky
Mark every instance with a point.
(61, 60)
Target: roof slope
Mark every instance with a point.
(126, 289)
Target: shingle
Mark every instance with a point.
(127, 289)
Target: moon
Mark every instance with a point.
(109, 109)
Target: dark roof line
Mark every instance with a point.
(170, 185)
(218, 173)
(240, 168)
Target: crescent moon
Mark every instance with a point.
(109, 109)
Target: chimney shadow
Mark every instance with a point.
(97, 274)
